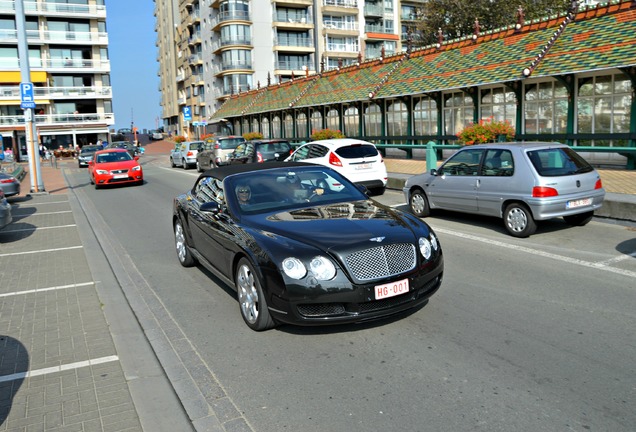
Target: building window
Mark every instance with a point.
(255, 125)
(301, 125)
(316, 121)
(276, 130)
(289, 126)
(351, 121)
(459, 112)
(372, 120)
(604, 106)
(499, 104)
(425, 116)
(265, 128)
(333, 119)
(397, 118)
(546, 108)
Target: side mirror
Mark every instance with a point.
(434, 172)
(363, 189)
(90, 162)
(210, 207)
(136, 158)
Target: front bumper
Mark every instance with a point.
(342, 303)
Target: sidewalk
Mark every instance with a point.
(72, 354)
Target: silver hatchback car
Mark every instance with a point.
(519, 182)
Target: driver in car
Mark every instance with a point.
(243, 193)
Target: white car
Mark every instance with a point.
(185, 154)
(356, 159)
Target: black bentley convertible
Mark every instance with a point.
(303, 245)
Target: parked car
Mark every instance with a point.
(216, 150)
(126, 145)
(114, 166)
(9, 184)
(5, 211)
(356, 159)
(124, 131)
(299, 251)
(258, 151)
(520, 182)
(184, 154)
(155, 135)
(86, 154)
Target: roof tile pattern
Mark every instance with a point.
(598, 38)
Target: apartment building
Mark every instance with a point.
(224, 47)
(69, 68)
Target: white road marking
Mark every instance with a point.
(41, 251)
(42, 214)
(39, 290)
(54, 369)
(603, 265)
(35, 228)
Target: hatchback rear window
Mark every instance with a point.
(556, 162)
(230, 143)
(357, 151)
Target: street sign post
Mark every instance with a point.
(27, 101)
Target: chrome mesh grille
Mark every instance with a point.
(381, 261)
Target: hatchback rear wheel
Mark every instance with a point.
(519, 221)
(579, 219)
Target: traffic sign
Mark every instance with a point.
(187, 113)
(26, 95)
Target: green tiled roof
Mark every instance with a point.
(598, 38)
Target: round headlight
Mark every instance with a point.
(434, 241)
(294, 268)
(322, 268)
(425, 247)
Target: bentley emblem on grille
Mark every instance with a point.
(377, 239)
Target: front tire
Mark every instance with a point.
(519, 221)
(181, 245)
(251, 299)
(579, 219)
(419, 203)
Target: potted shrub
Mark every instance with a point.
(486, 131)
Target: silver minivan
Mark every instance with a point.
(519, 182)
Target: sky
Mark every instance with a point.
(133, 63)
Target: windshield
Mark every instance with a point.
(561, 161)
(284, 189)
(113, 157)
(230, 143)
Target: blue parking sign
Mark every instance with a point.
(187, 113)
(26, 95)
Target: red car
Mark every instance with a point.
(114, 166)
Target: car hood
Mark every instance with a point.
(118, 165)
(343, 226)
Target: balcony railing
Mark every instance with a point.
(291, 17)
(342, 47)
(13, 92)
(340, 25)
(245, 40)
(377, 28)
(231, 16)
(371, 53)
(294, 65)
(50, 8)
(58, 119)
(56, 36)
(36, 63)
(341, 3)
(373, 10)
(235, 65)
(293, 41)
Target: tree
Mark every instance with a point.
(456, 18)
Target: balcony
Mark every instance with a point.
(80, 120)
(195, 39)
(293, 41)
(51, 36)
(93, 92)
(235, 65)
(86, 65)
(232, 41)
(371, 10)
(377, 28)
(294, 65)
(230, 16)
(55, 9)
(372, 53)
(291, 18)
(341, 26)
(343, 47)
(195, 59)
(352, 4)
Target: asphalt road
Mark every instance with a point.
(525, 334)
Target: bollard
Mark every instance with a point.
(431, 156)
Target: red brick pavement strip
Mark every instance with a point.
(614, 180)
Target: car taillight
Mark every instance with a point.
(599, 184)
(9, 180)
(259, 157)
(544, 192)
(334, 160)
(190, 154)
(217, 146)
